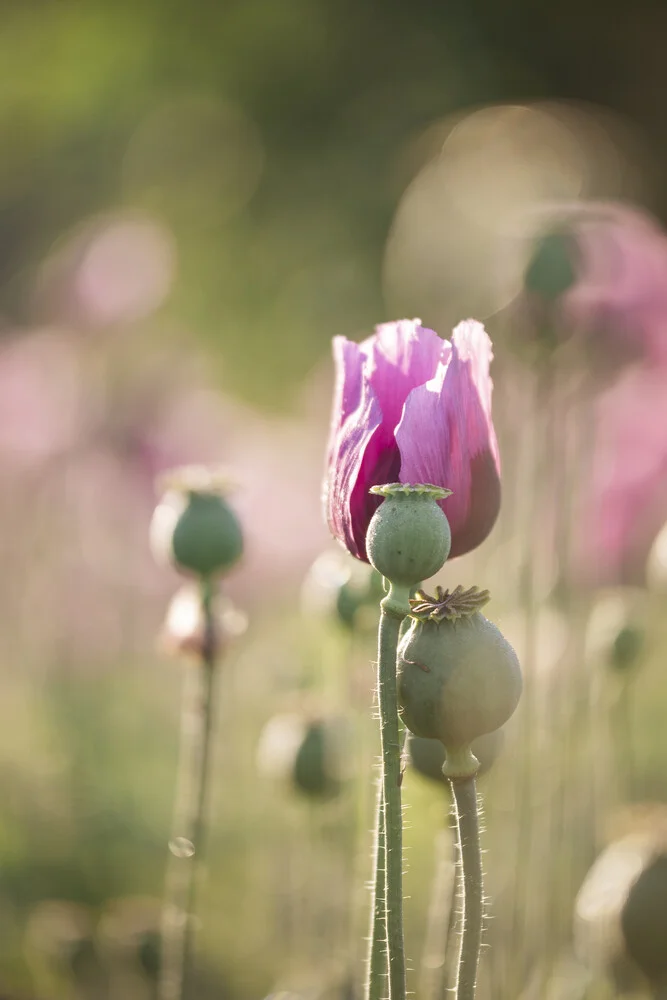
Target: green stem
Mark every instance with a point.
(433, 975)
(186, 845)
(377, 953)
(453, 932)
(464, 791)
(394, 608)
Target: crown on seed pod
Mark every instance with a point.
(458, 677)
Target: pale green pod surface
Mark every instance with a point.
(457, 679)
(408, 538)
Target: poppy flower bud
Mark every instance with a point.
(194, 526)
(411, 407)
(408, 537)
(458, 677)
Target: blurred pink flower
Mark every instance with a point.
(410, 406)
(624, 504)
(617, 291)
(112, 271)
(125, 272)
(40, 397)
(623, 281)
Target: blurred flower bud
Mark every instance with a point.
(60, 937)
(428, 756)
(627, 648)
(308, 753)
(616, 634)
(620, 924)
(644, 920)
(344, 589)
(129, 931)
(183, 630)
(458, 677)
(193, 525)
(316, 767)
(552, 269)
(598, 270)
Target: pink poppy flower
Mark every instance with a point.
(410, 407)
(624, 503)
(612, 262)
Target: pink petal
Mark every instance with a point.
(373, 380)
(446, 437)
(353, 448)
(401, 356)
(624, 504)
(347, 388)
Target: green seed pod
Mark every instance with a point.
(644, 921)
(315, 772)
(428, 756)
(408, 538)
(128, 934)
(553, 268)
(457, 679)
(627, 648)
(308, 753)
(194, 526)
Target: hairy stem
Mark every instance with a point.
(464, 791)
(377, 954)
(394, 608)
(433, 973)
(186, 845)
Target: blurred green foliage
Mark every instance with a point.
(280, 214)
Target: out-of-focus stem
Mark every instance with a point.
(189, 827)
(464, 791)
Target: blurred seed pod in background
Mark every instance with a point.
(193, 526)
(128, 934)
(627, 648)
(620, 920)
(60, 948)
(617, 634)
(310, 753)
(343, 589)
